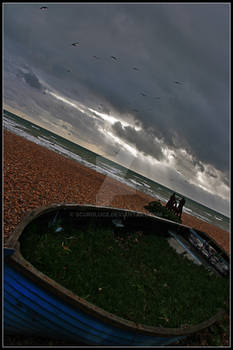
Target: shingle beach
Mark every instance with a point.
(35, 176)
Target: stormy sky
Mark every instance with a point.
(146, 85)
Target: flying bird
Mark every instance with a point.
(177, 82)
(135, 68)
(75, 44)
(114, 58)
(143, 94)
(44, 8)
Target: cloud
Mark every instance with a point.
(200, 174)
(167, 42)
(143, 141)
(27, 74)
(32, 80)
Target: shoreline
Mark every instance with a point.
(36, 176)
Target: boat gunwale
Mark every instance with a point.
(17, 260)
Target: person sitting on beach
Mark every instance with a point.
(180, 207)
(171, 202)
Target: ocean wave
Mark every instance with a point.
(197, 215)
(109, 168)
(218, 218)
(11, 125)
(202, 217)
(35, 127)
(135, 182)
(160, 197)
(61, 150)
(187, 210)
(208, 214)
(145, 185)
(101, 167)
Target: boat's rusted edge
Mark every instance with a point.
(18, 262)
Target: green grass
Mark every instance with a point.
(216, 335)
(155, 207)
(138, 277)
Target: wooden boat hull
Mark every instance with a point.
(35, 305)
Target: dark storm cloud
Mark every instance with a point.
(188, 163)
(226, 180)
(32, 80)
(198, 109)
(199, 131)
(166, 42)
(144, 142)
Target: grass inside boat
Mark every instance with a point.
(155, 207)
(137, 276)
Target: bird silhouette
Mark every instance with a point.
(135, 68)
(44, 8)
(143, 94)
(113, 57)
(177, 82)
(75, 44)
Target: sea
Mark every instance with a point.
(56, 143)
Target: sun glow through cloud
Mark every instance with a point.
(86, 110)
(169, 154)
(162, 114)
(112, 120)
(125, 145)
(76, 105)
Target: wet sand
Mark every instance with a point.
(35, 176)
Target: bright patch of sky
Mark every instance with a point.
(167, 106)
(169, 154)
(112, 120)
(67, 101)
(125, 145)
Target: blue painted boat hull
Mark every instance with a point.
(31, 310)
(35, 305)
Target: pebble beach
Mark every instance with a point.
(34, 176)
